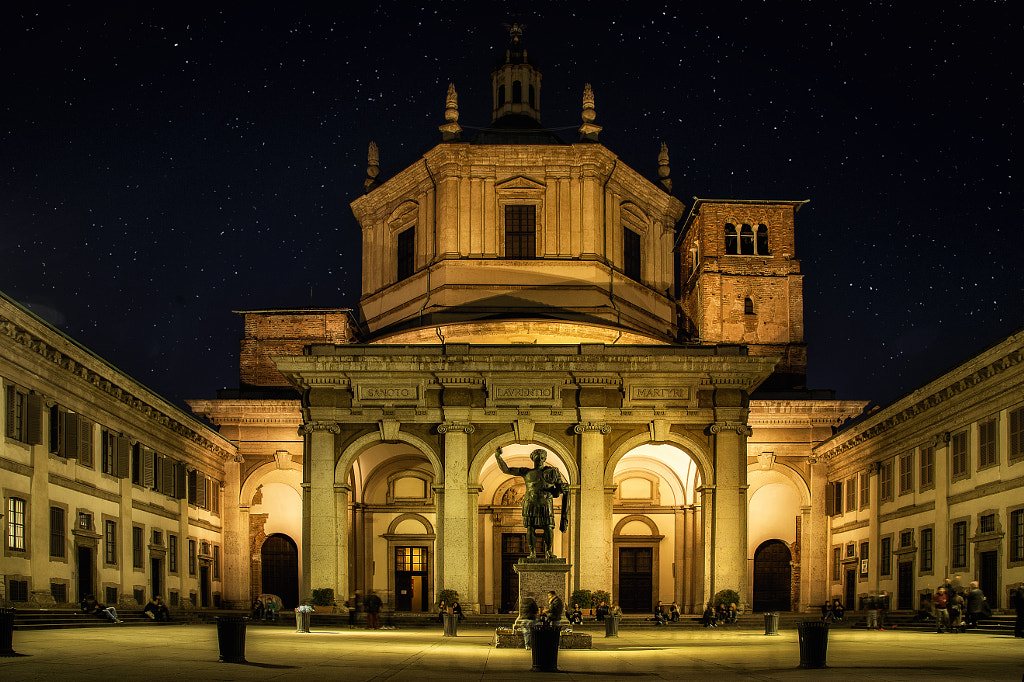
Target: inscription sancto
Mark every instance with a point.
(389, 393)
(660, 393)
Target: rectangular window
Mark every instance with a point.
(406, 253)
(631, 253)
(111, 594)
(1017, 535)
(865, 490)
(17, 590)
(907, 538)
(172, 553)
(59, 592)
(216, 562)
(987, 523)
(863, 559)
(137, 463)
(851, 494)
(885, 557)
(959, 462)
(851, 551)
(837, 563)
(987, 444)
(1016, 435)
(907, 473)
(108, 453)
(137, 547)
(960, 544)
(24, 415)
(837, 498)
(58, 532)
(110, 543)
(520, 231)
(927, 549)
(191, 557)
(16, 524)
(885, 481)
(927, 468)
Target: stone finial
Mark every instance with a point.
(372, 168)
(663, 169)
(589, 130)
(451, 131)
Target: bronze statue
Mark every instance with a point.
(543, 484)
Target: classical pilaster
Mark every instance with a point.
(707, 563)
(816, 527)
(236, 536)
(458, 571)
(690, 567)
(943, 542)
(320, 554)
(679, 568)
(342, 591)
(729, 540)
(593, 530)
(874, 511)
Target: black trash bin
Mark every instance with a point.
(545, 648)
(611, 626)
(7, 632)
(451, 624)
(231, 638)
(813, 643)
(771, 623)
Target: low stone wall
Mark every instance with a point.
(568, 640)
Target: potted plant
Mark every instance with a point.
(323, 600)
(598, 596)
(582, 598)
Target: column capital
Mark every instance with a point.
(455, 427)
(584, 427)
(310, 427)
(741, 429)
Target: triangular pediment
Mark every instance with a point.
(519, 182)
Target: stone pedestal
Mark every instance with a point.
(539, 576)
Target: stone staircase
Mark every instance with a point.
(49, 619)
(997, 624)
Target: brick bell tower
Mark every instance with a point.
(740, 282)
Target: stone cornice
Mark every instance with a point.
(83, 366)
(914, 406)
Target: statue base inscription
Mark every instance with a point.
(538, 576)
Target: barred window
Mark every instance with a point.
(520, 231)
(16, 524)
(17, 590)
(927, 549)
(907, 538)
(172, 553)
(987, 523)
(885, 557)
(110, 543)
(58, 532)
(960, 544)
(1017, 535)
(59, 592)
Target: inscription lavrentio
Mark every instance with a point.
(513, 392)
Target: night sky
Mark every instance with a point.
(160, 168)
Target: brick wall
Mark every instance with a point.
(286, 332)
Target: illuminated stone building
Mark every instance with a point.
(521, 291)
(107, 488)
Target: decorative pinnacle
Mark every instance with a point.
(372, 168)
(663, 169)
(589, 130)
(451, 131)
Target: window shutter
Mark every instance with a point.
(122, 456)
(84, 453)
(179, 480)
(192, 486)
(200, 490)
(830, 503)
(11, 413)
(147, 467)
(167, 476)
(72, 436)
(34, 419)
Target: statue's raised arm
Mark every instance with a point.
(505, 469)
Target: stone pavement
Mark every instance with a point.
(179, 652)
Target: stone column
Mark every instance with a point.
(809, 558)
(320, 551)
(689, 564)
(707, 564)
(873, 523)
(459, 569)
(594, 529)
(679, 568)
(471, 601)
(235, 536)
(730, 518)
(943, 542)
(343, 589)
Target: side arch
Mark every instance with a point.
(794, 476)
(363, 443)
(553, 445)
(687, 445)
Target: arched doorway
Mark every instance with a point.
(772, 577)
(280, 560)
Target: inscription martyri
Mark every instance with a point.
(389, 393)
(659, 393)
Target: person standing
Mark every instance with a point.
(373, 604)
(527, 617)
(1018, 604)
(976, 605)
(555, 608)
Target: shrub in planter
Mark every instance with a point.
(449, 597)
(323, 596)
(599, 596)
(727, 597)
(582, 597)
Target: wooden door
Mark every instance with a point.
(636, 585)
(773, 573)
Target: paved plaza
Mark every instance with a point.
(179, 652)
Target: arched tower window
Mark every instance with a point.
(501, 95)
(517, 92)
(748, 306)
(762, 240)
(732, 246)
(532, 96)
(746, 240)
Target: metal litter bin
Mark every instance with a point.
(813, 644)
(7, 632)
(451, 625)
(771, 623)
(546, 639)
(231, 638)
(611, 626)
(302, 619)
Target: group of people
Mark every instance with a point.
(265, 607)
(955, 609)
(666, 613)
(833, 611)
(454, 608)
(371, 605)
(155, 609)
(723, 614)
(531, 614)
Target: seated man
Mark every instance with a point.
(575, 615)
(708, 619)
(602, 610)
(91, 606)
